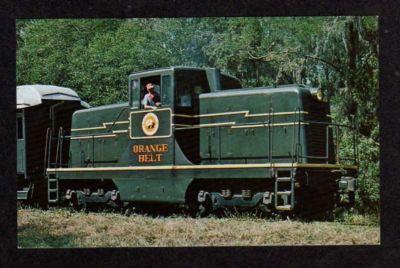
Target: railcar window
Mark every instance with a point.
(20, 128)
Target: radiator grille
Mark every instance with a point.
(316, 133)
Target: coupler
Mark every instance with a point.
(347, 187)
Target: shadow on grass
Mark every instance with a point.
(38, 236)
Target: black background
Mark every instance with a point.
(387, 254)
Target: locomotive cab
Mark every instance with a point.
(180, 89)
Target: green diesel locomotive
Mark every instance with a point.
(210, 144)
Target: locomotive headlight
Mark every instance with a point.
(317, 93)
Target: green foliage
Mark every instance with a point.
(347, 217)
(338, 54)
(368, 196)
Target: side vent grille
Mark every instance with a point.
(316, 133)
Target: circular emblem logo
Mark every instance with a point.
(150, 124)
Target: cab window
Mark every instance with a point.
(166, 90)
(134, 94)
(156, 81)
(189, 84)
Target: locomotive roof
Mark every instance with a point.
(32, 95)
(172, 68)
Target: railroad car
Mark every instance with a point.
(40, 108)
(210, 145)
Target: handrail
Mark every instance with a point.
(219, 145)
(93, 151)
(61, 137)
(293, 137)
(272, 135)
(336, 128)
(327, 144)
(119, 114)
(337, 145)
(46, 151)
(355, 131)
(83, 155)
(58, 148)
(269, 137)
(49, 148)
(298, 145)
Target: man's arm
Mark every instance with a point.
(150, 107)
(158, 103)
(146, 102)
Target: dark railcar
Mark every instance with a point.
(41, 111)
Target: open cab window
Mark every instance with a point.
(162, 85)
(156, 81)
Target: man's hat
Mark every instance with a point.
(149, 85)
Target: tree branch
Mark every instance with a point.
(265, 58)
(337, 68)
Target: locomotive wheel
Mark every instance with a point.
(264, 211)
(205, 208)
(199, 210)
(128, 211)
(76, 205)
(202, 211)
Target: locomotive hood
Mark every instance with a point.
(259, 90)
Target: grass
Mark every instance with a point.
(61, 228)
